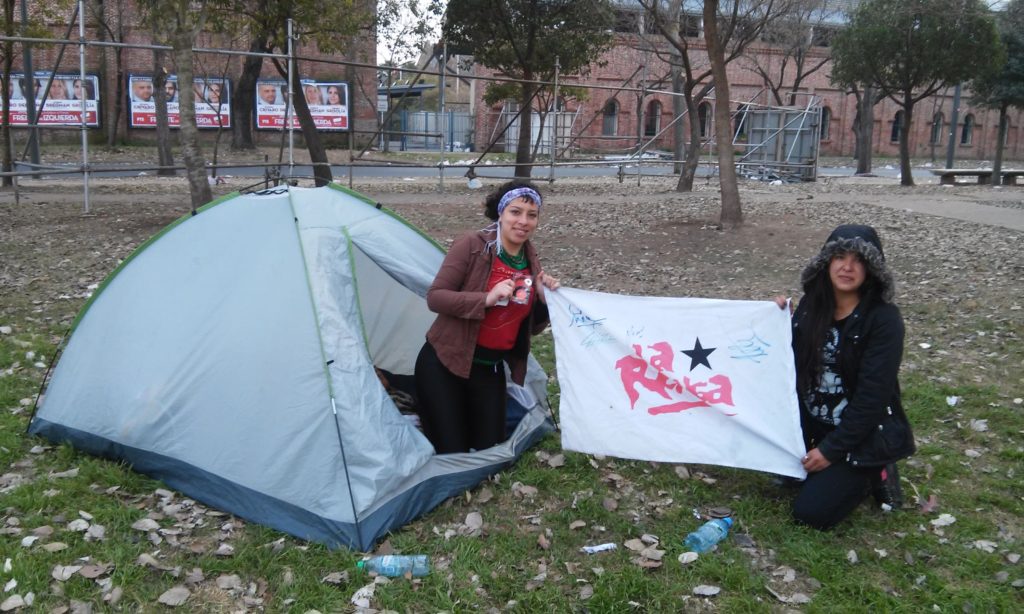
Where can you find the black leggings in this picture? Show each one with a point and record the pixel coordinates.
(458, 413)
(830, 495)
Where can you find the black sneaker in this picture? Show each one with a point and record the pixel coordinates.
(886, 488)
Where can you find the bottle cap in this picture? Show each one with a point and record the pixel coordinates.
(728, 521)
(361, 564)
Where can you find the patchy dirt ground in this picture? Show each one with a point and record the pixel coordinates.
(595, 234)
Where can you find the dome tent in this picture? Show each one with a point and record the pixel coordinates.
(232, 356)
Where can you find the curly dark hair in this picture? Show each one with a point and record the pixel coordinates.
(491, 202)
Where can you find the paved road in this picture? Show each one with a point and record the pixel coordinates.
(962, 206)
(609, 169)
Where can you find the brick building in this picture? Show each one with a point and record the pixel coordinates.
(121, 22)
(615, 121)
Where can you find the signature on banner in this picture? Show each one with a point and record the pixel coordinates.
(750, 348)
(595, 329)
(715, 391)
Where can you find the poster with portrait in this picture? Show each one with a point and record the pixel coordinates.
(327, 100)
(211, 96)
(63, 99)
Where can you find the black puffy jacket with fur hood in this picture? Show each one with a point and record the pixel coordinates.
(874, 430)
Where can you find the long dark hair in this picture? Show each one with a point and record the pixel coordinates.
(819, 305)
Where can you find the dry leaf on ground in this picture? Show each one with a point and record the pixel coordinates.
(175, 596)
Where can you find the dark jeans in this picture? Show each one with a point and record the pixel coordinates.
(830, 495)
(458, 413)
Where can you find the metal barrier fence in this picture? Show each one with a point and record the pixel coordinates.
(429, 131)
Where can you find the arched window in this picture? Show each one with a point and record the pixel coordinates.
(610, 124)
(652, 122)
(826, 123)
(937, 121)
(967, 135)
(704, 118)
(897, 123)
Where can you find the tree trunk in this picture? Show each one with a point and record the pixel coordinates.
(115, 101)
(317, 154)
(864, 134)
(117, 108)
(523, 168)
(732, 211)
(997, 162)
(692, 157)
(244, 98)
(163, 128)
(5, 95)
(195, 164)
(906, 175)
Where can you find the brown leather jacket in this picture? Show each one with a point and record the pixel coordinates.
(457, 297)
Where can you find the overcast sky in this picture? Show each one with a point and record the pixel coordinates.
(386, 43)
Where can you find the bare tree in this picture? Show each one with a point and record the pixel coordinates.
(798, 50)
(180, 22)
(864, 125)
(732, 213)
(736, 26)
(327, 26)
(163, 128)
(108, 15)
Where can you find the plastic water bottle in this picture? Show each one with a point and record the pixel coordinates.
(709, 534)
(397, 565)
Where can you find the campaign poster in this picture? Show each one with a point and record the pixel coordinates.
(211, 96)
(63, 106)
(327, 100)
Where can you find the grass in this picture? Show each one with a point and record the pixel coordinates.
(904, 564)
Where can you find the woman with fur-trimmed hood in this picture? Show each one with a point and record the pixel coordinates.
(848, 344)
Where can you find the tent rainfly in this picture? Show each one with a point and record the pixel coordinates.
(232, 356)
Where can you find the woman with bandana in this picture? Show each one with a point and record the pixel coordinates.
(489, 297)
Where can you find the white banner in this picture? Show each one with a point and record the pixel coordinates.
(681, 380)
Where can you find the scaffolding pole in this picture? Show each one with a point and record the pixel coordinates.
(85, 124)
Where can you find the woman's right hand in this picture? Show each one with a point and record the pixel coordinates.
(502, 291)
(781, 302)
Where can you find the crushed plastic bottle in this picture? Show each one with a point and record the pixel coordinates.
(397, 565)
(709, 534)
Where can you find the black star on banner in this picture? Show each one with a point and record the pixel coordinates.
(698, 355)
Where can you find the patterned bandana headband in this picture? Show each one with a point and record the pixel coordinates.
(511, 195)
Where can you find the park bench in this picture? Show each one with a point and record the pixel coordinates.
(1010, 177)
(947, 176)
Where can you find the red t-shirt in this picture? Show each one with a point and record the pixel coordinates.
(501, 322)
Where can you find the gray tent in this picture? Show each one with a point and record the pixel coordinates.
(232, 356)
